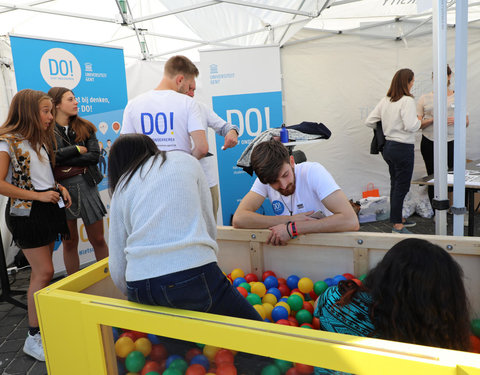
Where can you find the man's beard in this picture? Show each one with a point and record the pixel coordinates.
(289, 190)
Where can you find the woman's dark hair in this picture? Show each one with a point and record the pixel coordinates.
(129, 153)
(82, 128)
(399, 86)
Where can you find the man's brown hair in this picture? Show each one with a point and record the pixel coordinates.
(267, 159)
(180, 65)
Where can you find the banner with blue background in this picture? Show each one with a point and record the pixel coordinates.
(96, 75)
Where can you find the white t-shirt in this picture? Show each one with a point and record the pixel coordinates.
(165, 116)
(399, 119)
(40, 170)
(425, 110)
(313, 184)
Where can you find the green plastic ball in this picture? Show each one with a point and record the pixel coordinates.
(319, 287)
(179, 364)
(295, 302)
(475, 326)
(304, 316)
(247, 286)
(152, 373)
(200, 345)
(282, 365)
(254, 299)
(135, 361)
(362, 277)
(172, 371)
(271, 370)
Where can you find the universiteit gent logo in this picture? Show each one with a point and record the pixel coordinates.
(60, 67)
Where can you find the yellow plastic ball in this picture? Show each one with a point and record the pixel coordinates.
(261, 310)
(237, 272)
(284, 304)
(269, 298)
(209, 351)
(124, 346)
(259, 289)
(305, 285)
(143, 345)
(268, 310)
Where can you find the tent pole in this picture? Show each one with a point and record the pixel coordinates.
(440, 112)
(461, 39)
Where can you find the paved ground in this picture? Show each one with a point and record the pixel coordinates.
(13, 320)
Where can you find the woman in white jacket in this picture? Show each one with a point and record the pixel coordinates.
(398, 115)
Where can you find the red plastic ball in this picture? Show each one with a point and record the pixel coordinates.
(358, 282)
(304, 369)
(475, 344)
(293, 321)
(196, 369)
(316, 323)
(284, 322)
(226, 369)
(284, 289)
(313, 295)
(139, 334)
(130, 334)
(251, 277)
(151, 366)
(224, 356)
(281, 281)
(306, 325)
(158, 353)
(192, 353)
(308, 306)
(268, 273)
(348, 276)
(292, 371)
(242, 291)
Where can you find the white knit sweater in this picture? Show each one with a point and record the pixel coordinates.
(162, 221)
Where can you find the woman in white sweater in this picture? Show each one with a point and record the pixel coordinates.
(398, 115)
(162, 232)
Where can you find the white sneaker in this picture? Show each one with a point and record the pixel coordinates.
(33, 347)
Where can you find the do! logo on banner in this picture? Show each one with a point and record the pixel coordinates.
(59, 67)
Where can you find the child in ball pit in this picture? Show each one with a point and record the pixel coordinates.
(415, 294)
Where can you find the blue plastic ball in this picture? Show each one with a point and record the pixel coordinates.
(271, 282)
(276, 292)
(283, 299)
(154, 339)
(279, 312)
(292, 281)
(172, 358)
(339, 278)
(116, 333)
(329, 281)
(201, 360)
(238, 281)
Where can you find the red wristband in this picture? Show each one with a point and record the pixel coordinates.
(294, 230)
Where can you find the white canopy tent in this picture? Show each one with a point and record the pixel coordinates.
(338, 57)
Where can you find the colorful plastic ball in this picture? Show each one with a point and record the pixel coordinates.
(158, 353)
(305, 285)
(268, 310)
(151, 366)
(276, 292)
(143, 345)
(284, 322)
(209, 351)
(260, 310)
(279, 312)
(121, 367)
(200, 345)
(259, 289)
(293, 321)
(172, 371)
(348, 276)
(116, 333)
(254, 299)
(284, 304)
(271, 370)
(124, 346)
(251, 277)
(362, 277)
(229, 278)
(295, 302)
(358, 282)
(195, 369)
(226, 369)
(154, 339)
(304, 316)
(281, 281)
(319, 287)
(313, 295)
(268, 273)
(282, 365)
(242, 291)
(298, 294)
(284, 289)
(475, 327)
(474, 344)
(180, 364)
(135, 361)
(304, 369)
(201, 360)
(308, 306)
(271, 282)
(292, 371)
(224, 356)
(151, 373)
(292, 281)
(306, 325)
(269, 298)
(138, 334)
(315, 323)
(329, 281)
(238, 281)
(192, 353)
(130, 334)
(247, 287)
(339, 278)
(172, 358)
(237, 272)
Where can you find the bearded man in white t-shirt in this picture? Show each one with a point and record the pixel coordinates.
(305, 198)
(168, 116)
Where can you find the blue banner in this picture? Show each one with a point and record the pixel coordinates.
(253, 114)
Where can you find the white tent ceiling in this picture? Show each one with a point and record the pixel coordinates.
(156, 29)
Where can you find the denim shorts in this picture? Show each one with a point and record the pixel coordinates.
(203, 288)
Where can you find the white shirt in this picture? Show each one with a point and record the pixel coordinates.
(313, 184)
(399, 119)
(425, 111)
(40, 170)
(166, 116)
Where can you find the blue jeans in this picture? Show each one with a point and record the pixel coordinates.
(203, 288)
(400, 160)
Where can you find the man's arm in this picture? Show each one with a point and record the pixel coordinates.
(200, 148)
(246, 217)
(221, 127)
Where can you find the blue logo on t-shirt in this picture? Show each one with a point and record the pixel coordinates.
(278, 207)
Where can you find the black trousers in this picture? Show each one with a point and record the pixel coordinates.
(426, 148)
(400, 160)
